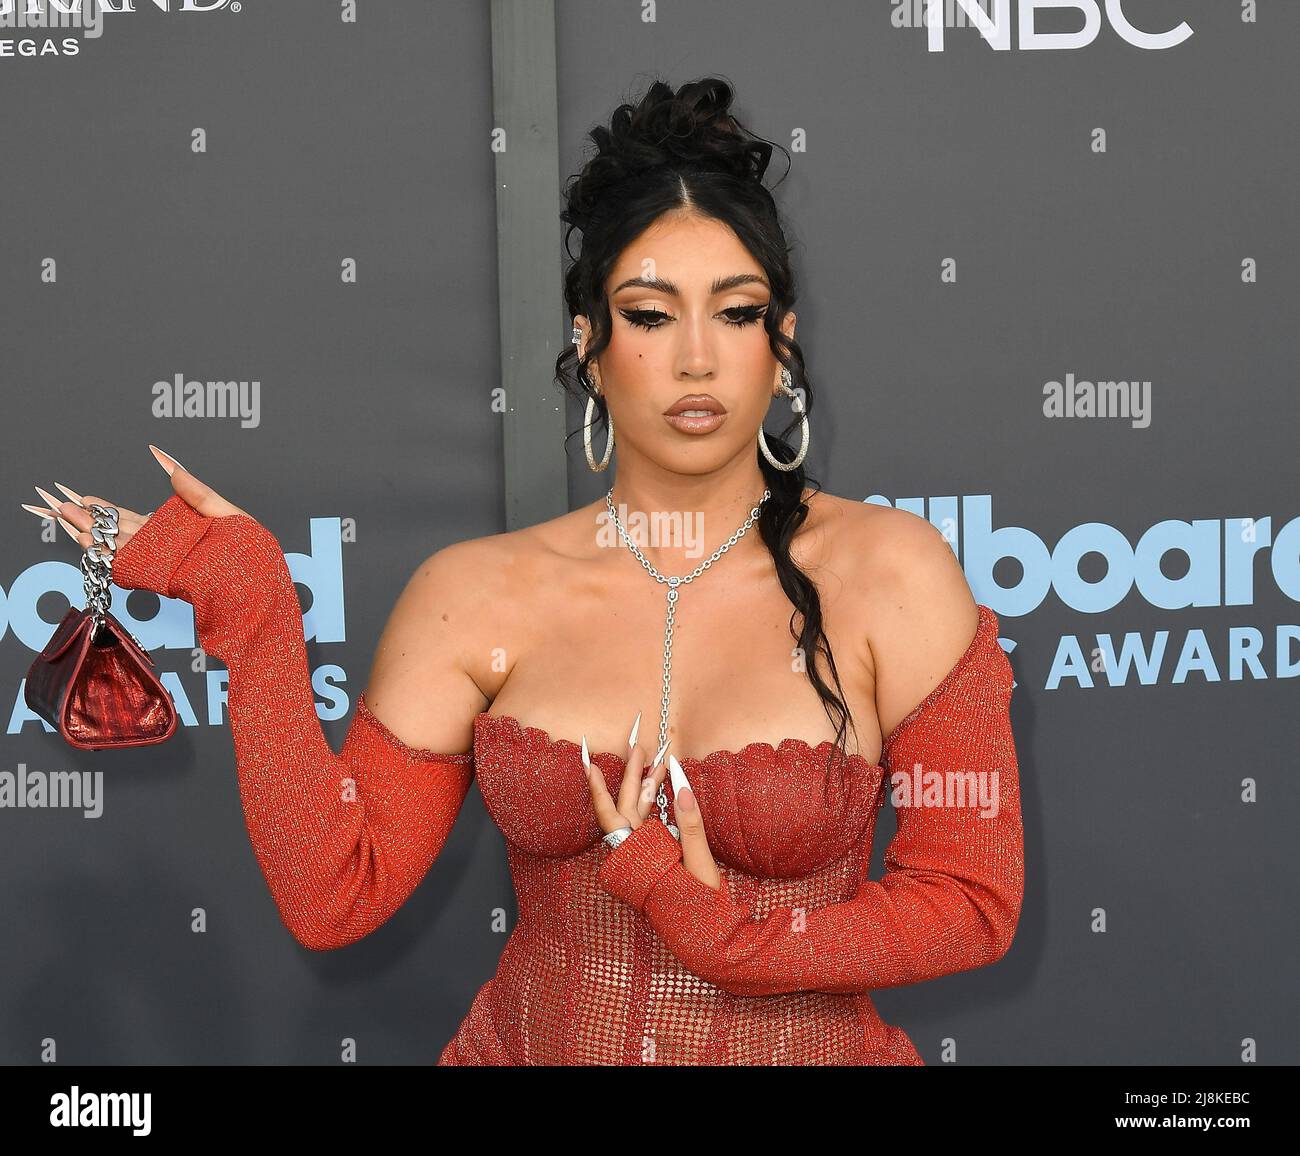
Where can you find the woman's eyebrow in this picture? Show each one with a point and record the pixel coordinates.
(721, 285)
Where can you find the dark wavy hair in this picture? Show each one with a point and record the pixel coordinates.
(685, 150)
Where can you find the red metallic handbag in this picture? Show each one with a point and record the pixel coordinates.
(93, 681)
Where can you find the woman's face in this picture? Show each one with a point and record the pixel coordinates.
(675, 333)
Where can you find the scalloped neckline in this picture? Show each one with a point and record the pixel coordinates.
(523, 729)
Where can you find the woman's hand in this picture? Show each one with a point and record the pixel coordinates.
(636, 797)
(696, 856)
(636, 794)
(75, 517)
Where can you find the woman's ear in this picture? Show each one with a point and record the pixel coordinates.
(787, 327)
(580, 323)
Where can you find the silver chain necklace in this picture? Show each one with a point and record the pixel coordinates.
(673, 583)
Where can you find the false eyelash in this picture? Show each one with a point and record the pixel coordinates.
(642, 317)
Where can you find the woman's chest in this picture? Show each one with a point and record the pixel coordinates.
(601, 642)
(769, 810)
(731, 654)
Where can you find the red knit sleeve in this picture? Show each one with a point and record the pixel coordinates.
(343, 839)
(954, 872)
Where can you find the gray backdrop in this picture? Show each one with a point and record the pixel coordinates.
(970, 225)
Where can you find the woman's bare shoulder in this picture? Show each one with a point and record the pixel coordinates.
(889, 540)
(859, 536)
(920, 610)
(505, 563)
(462, 606)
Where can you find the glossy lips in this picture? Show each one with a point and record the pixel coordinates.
(696, 413)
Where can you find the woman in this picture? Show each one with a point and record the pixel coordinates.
(738, 927)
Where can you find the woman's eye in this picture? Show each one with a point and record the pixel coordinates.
(644, 317)
(744, 314)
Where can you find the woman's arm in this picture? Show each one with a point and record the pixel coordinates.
(342, 839)
(954, 875)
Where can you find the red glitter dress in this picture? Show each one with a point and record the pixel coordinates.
(620, 956)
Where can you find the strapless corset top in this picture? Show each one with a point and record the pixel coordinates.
(768, 810)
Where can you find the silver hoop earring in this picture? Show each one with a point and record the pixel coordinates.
(586, 437)
(797, 406)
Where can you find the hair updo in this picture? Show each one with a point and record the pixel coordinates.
(685, 150)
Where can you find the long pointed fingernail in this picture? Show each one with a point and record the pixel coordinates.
(660, 754)
(678, 776)
(49, 499)
(71, 495)
(631, 739)
(586, 758)
(165, 459)
(71, 529)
